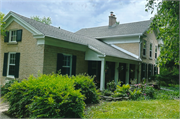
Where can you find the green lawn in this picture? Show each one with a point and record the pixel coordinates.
(135, 109)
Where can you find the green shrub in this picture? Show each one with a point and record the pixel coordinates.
(4, 88)
(107, 92)
(111, 86)
(118, 94)
(122, 91)
(134, 95)
(87, 87)
(149, 91)
(47, 96)
(168, 76)
(166, 95)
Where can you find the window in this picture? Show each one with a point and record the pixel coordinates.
(13, 36)
(144, 48)
(150, 51)
(155, 52)
(66, 64)
(11, 64)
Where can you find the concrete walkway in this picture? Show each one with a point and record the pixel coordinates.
(3, 107)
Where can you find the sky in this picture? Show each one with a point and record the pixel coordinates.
(73, 15)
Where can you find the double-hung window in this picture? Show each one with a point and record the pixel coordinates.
(13, 36)
(11, 64)
(150, 51)
(155, 52)
(67, 64)
(144, 48)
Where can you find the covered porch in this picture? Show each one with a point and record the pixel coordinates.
(107, 69)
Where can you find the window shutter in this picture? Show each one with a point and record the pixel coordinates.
(59, 62)
(19, 35)
(17, 65)
(74, 65)
(6, 38)
(5, 64)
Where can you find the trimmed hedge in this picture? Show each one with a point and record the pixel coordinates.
(47, 96)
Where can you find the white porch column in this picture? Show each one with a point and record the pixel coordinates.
(116, 75)
(102, 80)
(136, 72)
(127, 73)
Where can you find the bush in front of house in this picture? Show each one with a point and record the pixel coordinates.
(87, 87)
(4, 88)
(47, 96)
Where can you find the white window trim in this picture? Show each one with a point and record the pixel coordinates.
(9, 76)
(10, 33)
(70, 63)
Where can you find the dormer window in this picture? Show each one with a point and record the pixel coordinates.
(13, 36)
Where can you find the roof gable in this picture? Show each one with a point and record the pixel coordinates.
(11, 16)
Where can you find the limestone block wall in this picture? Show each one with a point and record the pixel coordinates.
(151, 38)
(31, 54)
(50, 59)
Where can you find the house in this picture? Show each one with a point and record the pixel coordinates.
(115, 52)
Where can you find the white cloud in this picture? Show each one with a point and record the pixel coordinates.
(73, 15)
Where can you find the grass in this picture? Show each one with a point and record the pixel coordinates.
(135, 109)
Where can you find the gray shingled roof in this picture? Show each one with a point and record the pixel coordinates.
(121, 29)
(61, 34)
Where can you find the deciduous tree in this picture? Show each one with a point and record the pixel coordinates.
(166, 21)
(2, 23)
(43, 20)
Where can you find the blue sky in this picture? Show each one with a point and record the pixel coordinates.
(73, 15)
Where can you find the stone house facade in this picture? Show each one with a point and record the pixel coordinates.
(31, 47)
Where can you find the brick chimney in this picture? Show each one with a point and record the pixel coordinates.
(112, 19)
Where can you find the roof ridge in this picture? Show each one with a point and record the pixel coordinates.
(115, 26)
